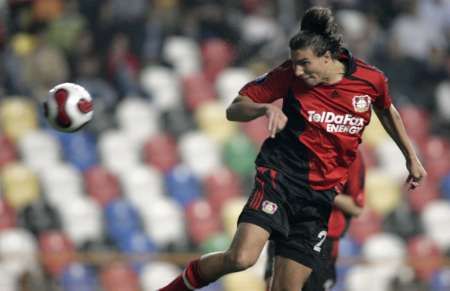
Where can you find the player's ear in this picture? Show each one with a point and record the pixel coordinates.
(327, 56)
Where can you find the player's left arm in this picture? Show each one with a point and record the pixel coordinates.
(393, 124)
(347, 204)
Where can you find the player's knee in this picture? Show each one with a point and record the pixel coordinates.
(240, 260)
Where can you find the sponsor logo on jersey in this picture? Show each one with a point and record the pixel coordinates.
(343, 123)
(269, 207)
(361, 103)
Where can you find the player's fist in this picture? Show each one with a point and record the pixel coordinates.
(277, 119)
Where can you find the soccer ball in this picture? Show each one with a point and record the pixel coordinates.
(68, 107)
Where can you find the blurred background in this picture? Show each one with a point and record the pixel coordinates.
(159, 176)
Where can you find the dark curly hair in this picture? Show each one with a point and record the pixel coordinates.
(319, 32)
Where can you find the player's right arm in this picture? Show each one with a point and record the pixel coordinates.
(245, 109)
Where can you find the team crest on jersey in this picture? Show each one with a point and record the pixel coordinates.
(269, 207)
(361, 103)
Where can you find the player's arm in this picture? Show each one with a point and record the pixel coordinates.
(393, 124)
(245, 109)
(347, 204)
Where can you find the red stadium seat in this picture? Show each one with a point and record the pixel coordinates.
(436, 152)
(197, 90)
(202, 222)
(216, 55)
(425, 257)
(221, 186)
(7, 215)
(101, 185)
(368, 224)
(119, 277)
(7, 151)
(423, 195)
(416, 122)
(57, 251)
(160, 151)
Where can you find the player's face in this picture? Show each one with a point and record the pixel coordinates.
(308, 66)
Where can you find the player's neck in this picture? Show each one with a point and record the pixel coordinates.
(335, 73)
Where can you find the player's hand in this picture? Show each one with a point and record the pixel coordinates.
(416, 173)
(277, 119)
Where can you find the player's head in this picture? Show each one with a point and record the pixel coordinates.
(316, 45)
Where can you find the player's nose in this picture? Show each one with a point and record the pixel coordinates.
(298, 71)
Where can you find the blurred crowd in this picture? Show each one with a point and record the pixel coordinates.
(160, 170)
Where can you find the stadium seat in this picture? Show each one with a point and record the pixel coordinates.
(217, 55)
(17, 117)
(18, 251)
(182, 185)
(199, 153)
(142, 184)
(39, 217)
(363, 277)
(7, 280)
(197, 90)
(39, 150)
(441, 280)
(138, 248)
(382, 191)
(164, 211)
(366, 225)
(425, 257)
(117, 153)
(445, 187)
(215, 243)
(435, 217)
(383, 247)
(19, 185)
(82, 209)
(436, 154)
(155, 275)
(243, 281)
(101, 185)
(7, 215)
(177, 121)
(201, 221)
(163, 85)
(240, 154)
(210, 117)
(403, 221)
(121, 219)
(442, 102)
(137, 119)
(78, 277)
(374, 134)
(119, 276)
(183, 54)
(391, 161)
(60, 183)
(426, 193)
(230, 81)
(230, 213)
(8, 153)
(79, 149)
(416, 121)
(160, 152)
(57, 251)
(220, 186)
(256, 130)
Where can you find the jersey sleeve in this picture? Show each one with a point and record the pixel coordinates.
(270, 86)
(384, 100)
(356, 181)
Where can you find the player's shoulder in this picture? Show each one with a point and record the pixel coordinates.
(367, 71)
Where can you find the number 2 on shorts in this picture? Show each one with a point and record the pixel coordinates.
(322, 236)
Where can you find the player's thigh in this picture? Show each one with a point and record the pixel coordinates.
(248, 242)
(289, 274)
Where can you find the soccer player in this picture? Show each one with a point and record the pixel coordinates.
(347, 204)
(327, 100)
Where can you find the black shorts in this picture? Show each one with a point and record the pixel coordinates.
(295, 215)
(322, 278)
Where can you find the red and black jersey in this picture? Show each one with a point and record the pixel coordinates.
(325, 122)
